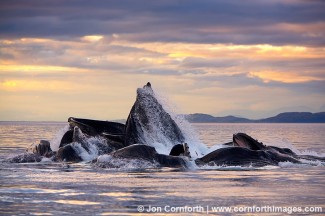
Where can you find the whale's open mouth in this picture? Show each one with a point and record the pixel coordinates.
(243, 140)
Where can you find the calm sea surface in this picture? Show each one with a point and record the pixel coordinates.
(48, 188)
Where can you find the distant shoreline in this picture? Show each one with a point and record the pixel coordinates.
(61, 122)
(287, 117)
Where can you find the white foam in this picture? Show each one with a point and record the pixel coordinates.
(46, 160)
(92, 144)
(162, 148)
(197, 148)
(55, 142)
(234, 168)
(305, 163)
(309, 152)
(104, 158)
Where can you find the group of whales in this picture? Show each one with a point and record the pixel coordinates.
(130, 141)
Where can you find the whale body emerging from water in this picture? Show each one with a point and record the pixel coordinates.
(149, 123)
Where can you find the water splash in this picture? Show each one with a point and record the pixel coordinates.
(152, 124)
(91, 148)
(197, 148)
(304, 164)
(310, 152)
(55, 142)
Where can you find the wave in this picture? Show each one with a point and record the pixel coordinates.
(304, 163)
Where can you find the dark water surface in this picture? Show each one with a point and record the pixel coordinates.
(48, 188)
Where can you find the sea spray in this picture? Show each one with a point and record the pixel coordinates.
(197, 148)
(55, 142)
(90, 148)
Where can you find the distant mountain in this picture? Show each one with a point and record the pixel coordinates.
(288, 117)
(296, 117)
(204, 118)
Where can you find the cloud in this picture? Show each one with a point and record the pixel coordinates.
(58, 58)
(86, 58)
(193, 62)
(273, 22)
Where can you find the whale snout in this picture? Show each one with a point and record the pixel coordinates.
(238, 141)
(246, 141)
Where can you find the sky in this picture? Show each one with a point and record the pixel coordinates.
(252, 58)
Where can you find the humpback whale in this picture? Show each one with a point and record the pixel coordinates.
(148, 123)
(114, 132)
(146, 115)
(240, 156)
(145, 153)
(246, 141)
(247, 151)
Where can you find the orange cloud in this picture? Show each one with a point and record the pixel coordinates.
(36, 85)
(36, 68)
(260, 51)
(103, 71)
(282, 76)
(92, 38)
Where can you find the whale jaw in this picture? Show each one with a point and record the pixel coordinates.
(148, 122)
(243, 140)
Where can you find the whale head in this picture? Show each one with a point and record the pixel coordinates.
(148, 122)
(246, 141)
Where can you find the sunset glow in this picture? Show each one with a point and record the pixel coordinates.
(205, 61)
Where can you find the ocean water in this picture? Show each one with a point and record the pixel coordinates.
(48, 188)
